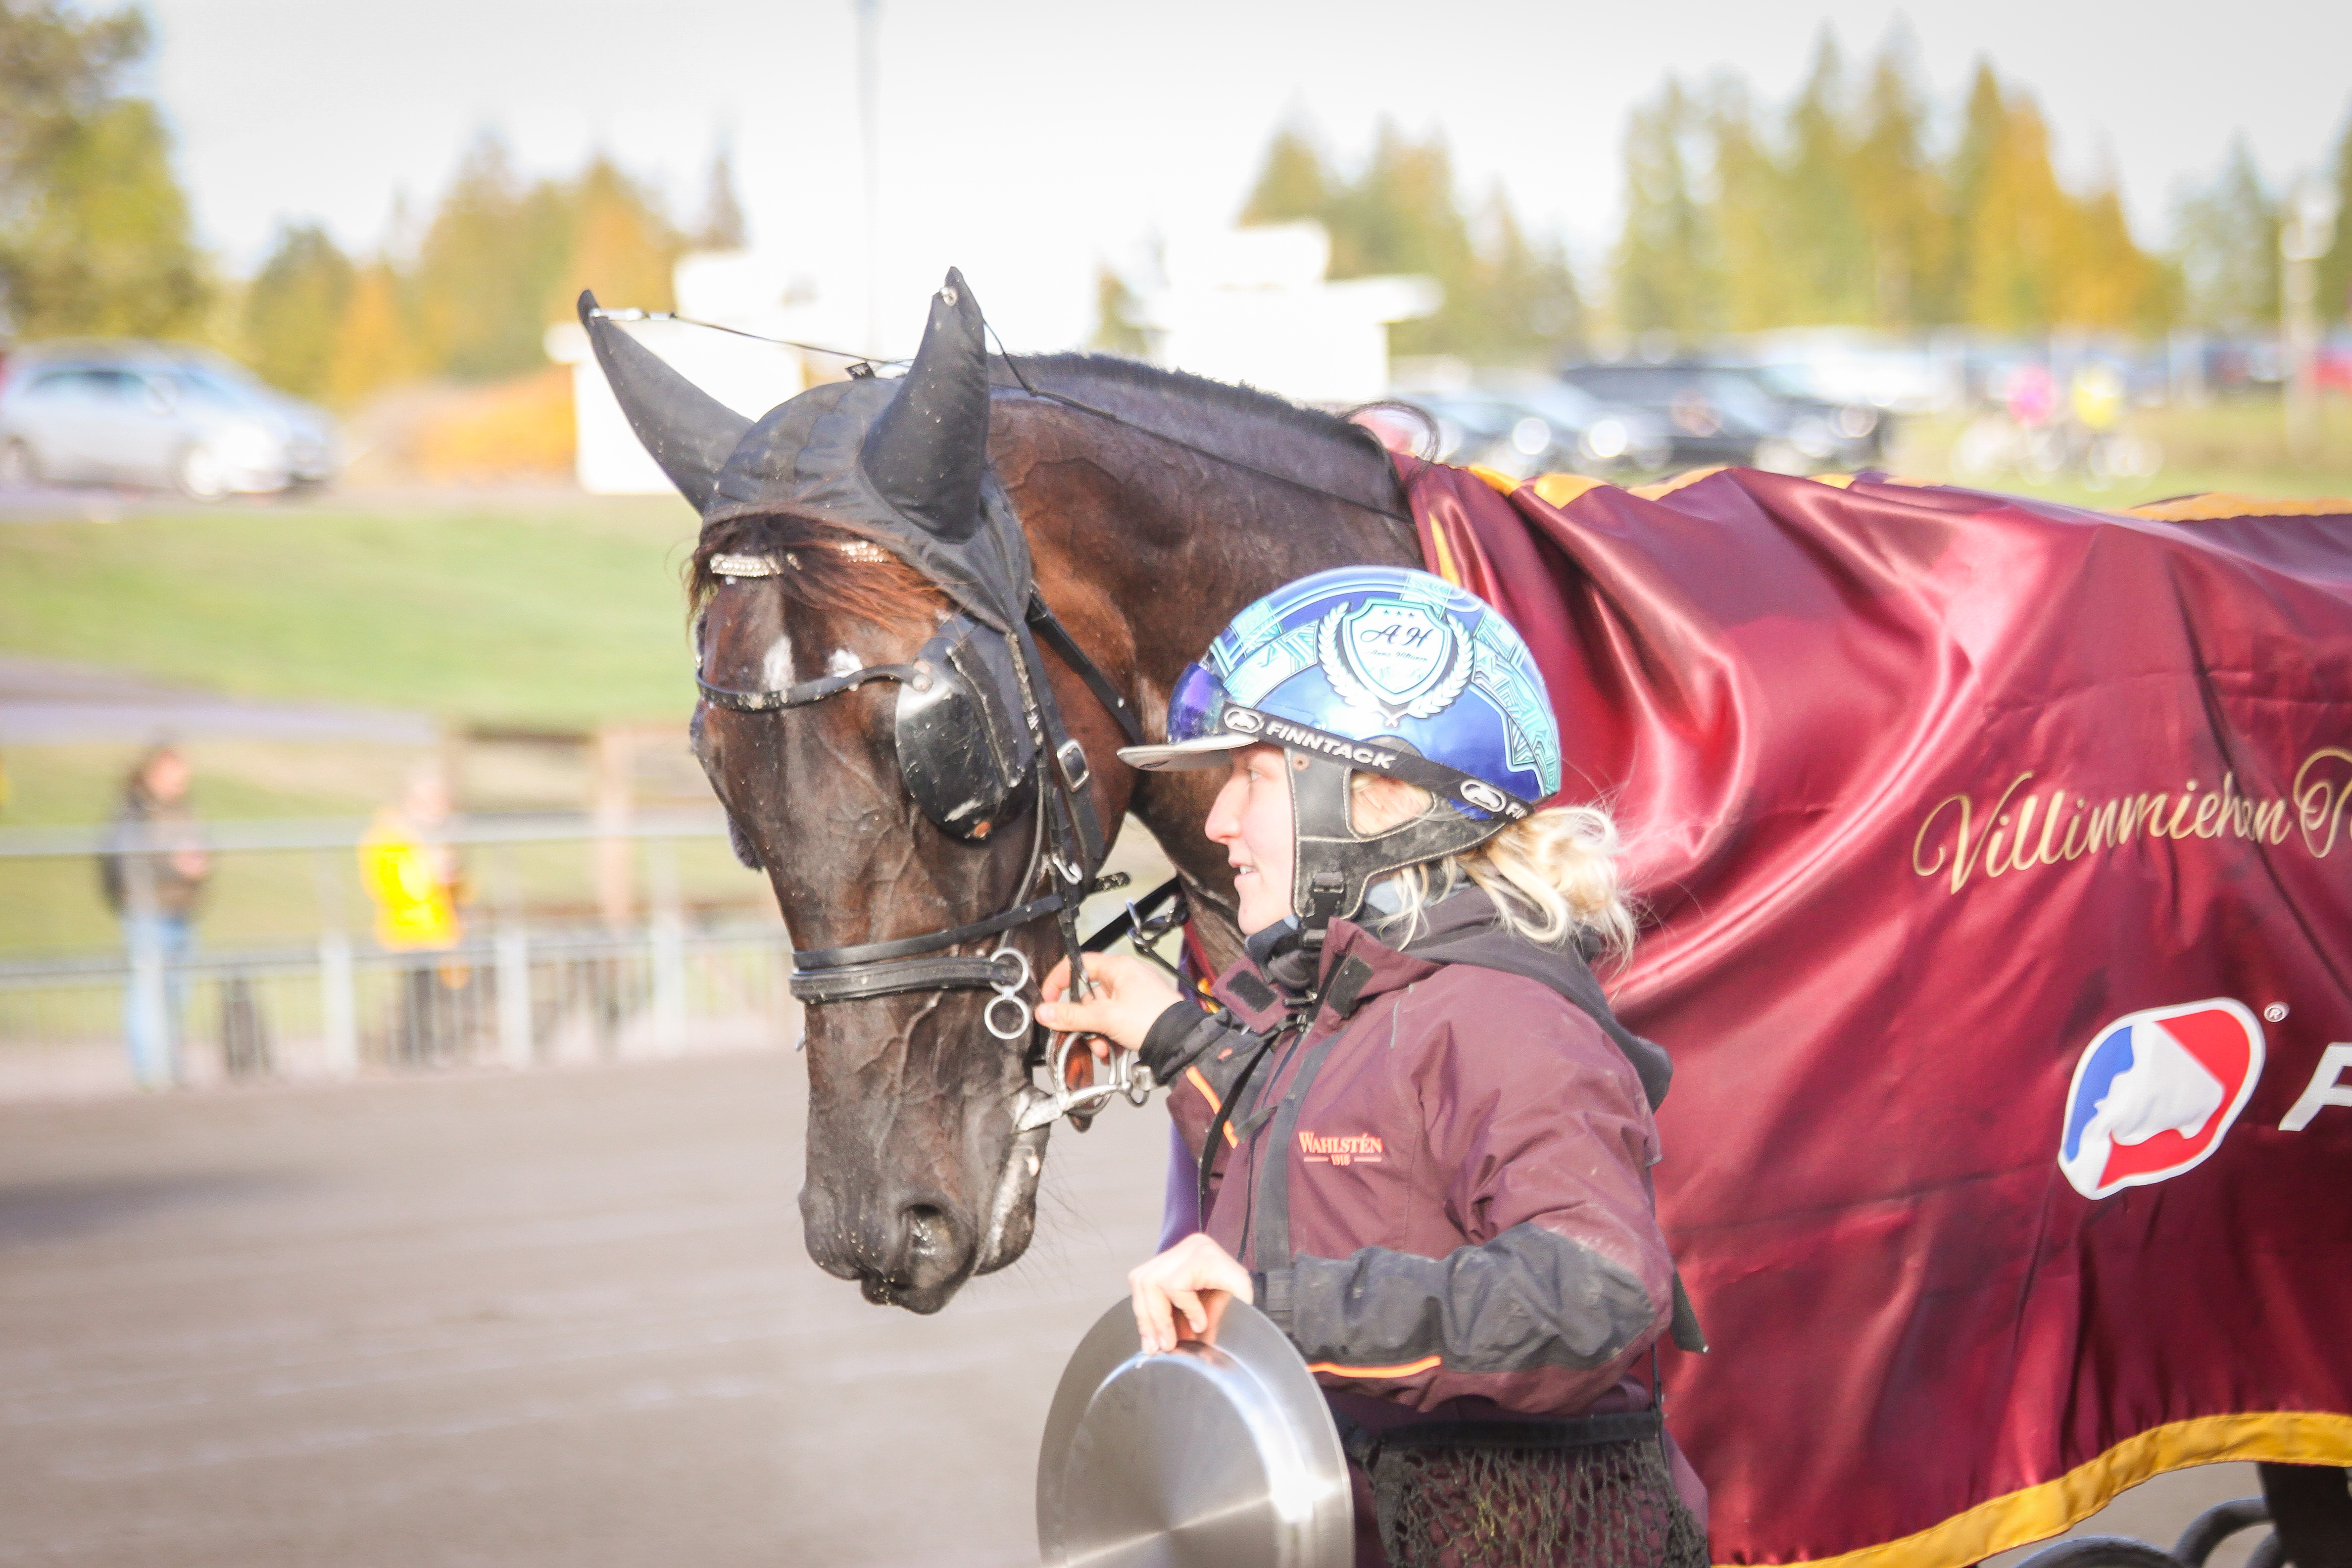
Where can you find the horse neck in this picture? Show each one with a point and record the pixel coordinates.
(1146, 550)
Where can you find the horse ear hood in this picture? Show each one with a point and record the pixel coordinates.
(927, 453)
(688, 432)
(901, 462)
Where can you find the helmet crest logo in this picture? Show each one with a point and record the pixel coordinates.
(1394, 657)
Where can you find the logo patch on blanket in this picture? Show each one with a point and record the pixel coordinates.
(2155, 1091)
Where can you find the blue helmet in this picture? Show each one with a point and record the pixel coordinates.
(1382, 670)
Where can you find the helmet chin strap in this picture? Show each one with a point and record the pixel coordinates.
(1333, 864)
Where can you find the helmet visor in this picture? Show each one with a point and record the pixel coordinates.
(1196, 738)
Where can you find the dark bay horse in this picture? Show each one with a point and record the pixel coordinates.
(1155, 506)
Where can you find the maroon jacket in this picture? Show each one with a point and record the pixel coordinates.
(1463, 1182)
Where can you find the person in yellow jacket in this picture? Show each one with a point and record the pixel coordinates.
(415, 879)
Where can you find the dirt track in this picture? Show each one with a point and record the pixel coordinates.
(556, 1319)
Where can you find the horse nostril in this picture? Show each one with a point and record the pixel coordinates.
(930, 1233)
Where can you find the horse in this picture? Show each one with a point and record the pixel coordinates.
(1154, 505)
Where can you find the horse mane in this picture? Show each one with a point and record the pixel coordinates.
(1250, 427)
(1254, 429)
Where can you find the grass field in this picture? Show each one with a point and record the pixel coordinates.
(553, 614)
(562, 613)
(2237, 446)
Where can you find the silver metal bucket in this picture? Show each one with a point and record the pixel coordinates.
(1208, 1456)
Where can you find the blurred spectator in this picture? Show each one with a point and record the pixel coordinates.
(153, 871)
(414, 875)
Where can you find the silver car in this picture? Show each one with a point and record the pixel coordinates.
(155, 413)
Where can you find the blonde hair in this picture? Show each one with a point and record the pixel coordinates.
(1552, 875)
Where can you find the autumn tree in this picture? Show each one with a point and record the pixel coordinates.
(491, 261)
(1665, 260)
(95, 231)
(1507, 297)
(619, 245)
(1901, 197)
(376, 343)
(1839, 210)
(294, 310)
(1824, 251)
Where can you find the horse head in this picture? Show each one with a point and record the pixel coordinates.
(892, 749)
(870, 725)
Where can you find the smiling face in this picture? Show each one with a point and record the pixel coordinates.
(1252, 820)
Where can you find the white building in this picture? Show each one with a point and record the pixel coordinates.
(1253, 305)
(732, 288)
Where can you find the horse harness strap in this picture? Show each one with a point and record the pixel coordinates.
(974, 709)
(808, 691)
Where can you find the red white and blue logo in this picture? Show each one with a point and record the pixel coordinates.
(2155, 1091)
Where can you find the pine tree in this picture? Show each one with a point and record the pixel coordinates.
(1403, 215)
(1292, 183)
(1522, 306)
(1899, 195)
(107, 245)
(59, 71)
(1827, 253)
(2229, 248)
(1115, 329)
(1748, 219)
(721, 226)
(2335, 267)
(1663, 268)
(490, 263)
(1984, 123)
(294, 309)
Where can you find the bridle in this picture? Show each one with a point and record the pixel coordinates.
(992, 686)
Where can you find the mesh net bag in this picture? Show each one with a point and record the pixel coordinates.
(1608, 1505)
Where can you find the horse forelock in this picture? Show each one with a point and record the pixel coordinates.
(826, 567)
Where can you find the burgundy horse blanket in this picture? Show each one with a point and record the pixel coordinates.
(1997, 856)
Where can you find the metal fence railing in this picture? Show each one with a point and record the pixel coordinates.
(518, 998)
(516, 991)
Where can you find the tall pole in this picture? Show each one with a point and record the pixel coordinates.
(2307, 229)
(869, 124)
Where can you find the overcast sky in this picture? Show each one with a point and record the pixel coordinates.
(1025, 140)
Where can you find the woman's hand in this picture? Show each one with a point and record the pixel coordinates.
(1128, 996)
(1196, 1277)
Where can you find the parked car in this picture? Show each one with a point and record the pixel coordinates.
(155, 413)
(1543, 427)
(1717, 413)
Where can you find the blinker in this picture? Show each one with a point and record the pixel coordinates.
(964, 748)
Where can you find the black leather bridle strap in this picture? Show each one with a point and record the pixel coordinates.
(808, 691)
(858, 982)
(930, 942)
(1057, 636)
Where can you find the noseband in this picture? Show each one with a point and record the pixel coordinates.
(965, 687)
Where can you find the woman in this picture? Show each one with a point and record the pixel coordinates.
(154, 873)
(1427, 1138)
